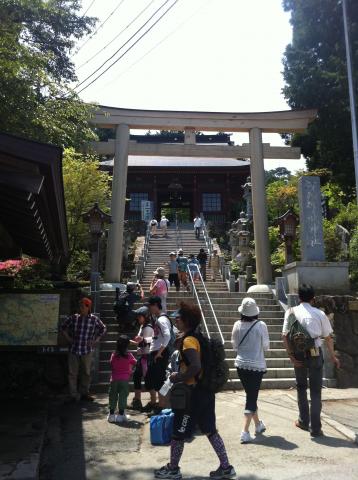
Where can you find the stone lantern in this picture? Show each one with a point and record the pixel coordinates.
(240, 241)
(96, 219)
(288, 225)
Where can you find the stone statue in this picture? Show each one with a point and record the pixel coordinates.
(247, 197)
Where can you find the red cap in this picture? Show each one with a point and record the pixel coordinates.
(86, 301)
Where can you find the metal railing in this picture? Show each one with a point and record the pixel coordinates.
(199, 300)
(195, 294)
(178, 237)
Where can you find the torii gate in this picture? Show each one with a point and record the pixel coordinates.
(123, 119)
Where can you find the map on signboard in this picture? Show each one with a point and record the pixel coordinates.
(29, 319)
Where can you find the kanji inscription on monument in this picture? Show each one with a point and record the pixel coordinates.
(311, 228)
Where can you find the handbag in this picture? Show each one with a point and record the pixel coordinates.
(180, 396)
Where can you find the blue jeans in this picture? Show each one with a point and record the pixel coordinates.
(313, 369)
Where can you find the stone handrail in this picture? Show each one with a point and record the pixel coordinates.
(207, 238)
(142, 259)
(287, 300)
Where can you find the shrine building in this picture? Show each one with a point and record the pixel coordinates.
(188, 184)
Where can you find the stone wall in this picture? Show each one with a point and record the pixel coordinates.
(343, 313)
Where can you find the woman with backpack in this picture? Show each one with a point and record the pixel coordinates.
(160, 287)
(142, 341)
(199, 404)
(250, 340)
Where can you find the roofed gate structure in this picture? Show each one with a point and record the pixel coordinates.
(255, 124)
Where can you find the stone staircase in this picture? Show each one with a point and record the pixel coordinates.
(280, 373)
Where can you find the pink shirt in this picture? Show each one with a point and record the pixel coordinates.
(122, 367)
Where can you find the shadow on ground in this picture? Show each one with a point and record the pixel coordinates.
(334, 442)
(275, 441)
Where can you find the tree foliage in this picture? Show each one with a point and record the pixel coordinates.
(84, 184)
(36, 38)
(279, 173)
(280, 197)
(316, 77)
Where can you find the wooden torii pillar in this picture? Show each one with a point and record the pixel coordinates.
(255, 123)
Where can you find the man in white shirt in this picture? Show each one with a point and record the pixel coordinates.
(158, 354)
(318, 326)
(153, 227)
(197, 226)
(164, 225)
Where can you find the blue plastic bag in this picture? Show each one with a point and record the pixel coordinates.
(161, 427)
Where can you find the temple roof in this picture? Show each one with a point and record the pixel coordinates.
(32, 197)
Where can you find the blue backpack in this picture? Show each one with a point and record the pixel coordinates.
(161, 427)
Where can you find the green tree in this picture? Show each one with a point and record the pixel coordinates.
(84, 184)
(316, 77)
(280, 197)
(36, 38)
(279, 173)
(353, 256)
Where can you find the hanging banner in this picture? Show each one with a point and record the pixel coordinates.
(147, 210)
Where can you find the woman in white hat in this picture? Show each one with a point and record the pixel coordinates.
(160, 287)
(250, 340)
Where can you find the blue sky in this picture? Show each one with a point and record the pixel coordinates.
(214, 55)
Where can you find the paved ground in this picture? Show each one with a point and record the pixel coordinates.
(81, 445)
(22, 427)
(344, 412)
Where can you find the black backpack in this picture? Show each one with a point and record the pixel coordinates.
(214, 368)
(121, 304)
(299, 339)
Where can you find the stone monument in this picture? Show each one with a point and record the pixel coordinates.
(325, 277)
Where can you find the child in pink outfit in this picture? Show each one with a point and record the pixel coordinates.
(121, 365)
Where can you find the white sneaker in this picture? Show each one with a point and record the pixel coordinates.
(122, 418)
(111, 418)
(245, 437)
(260, 428)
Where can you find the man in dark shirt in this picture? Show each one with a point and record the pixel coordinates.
(134, 293)
(83, 331)
(202, 258)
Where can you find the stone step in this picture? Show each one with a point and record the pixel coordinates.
(213, 295)
(277, 353)
(278, 362)
(233, 384)
(104, 375)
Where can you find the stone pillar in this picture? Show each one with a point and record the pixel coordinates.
(119, 187)
(196, 208)
(155, 197)
(311, 227)
(259, 204)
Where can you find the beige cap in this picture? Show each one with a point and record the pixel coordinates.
(160, 271)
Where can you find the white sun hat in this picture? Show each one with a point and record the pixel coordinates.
(249, 307)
